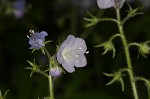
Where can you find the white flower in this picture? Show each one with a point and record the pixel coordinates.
(104, 4)
(71, 53)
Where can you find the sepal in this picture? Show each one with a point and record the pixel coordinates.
(134, 12)
(34, 68)
(116, 77)
(93, 20)
(108, 46)
(144, 49)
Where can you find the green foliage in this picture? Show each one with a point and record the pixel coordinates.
(3, 96)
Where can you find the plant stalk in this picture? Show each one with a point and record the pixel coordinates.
(50, 79)
(128, 59)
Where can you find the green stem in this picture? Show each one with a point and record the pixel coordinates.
(114, 36)
(44, 74)
(108, 19)
(47, 53)
(50, 77)
(125, 19)
(146, 82)
(51, 87)
(141, 79)
(131, 75)
(124, 70)
(134, 44)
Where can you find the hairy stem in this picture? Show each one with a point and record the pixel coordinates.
(50, 79)
(128, 59)
(51, 87)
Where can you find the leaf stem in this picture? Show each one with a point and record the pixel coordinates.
(134, 44)
(44, 74)
(128, 59)
(108, 19)
(114, 36)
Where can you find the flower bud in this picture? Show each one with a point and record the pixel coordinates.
(55, 71)
(144, 49)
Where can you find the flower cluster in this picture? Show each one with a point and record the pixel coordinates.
(70, 54)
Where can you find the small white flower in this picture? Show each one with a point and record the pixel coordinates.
(71, 53)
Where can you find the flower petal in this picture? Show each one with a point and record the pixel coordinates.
(59, 57)
(70, 43)
(43, 34)
(68, 66)
(80, 61)
(69, 39)
(104, 4)
(79, 46)
(64, 44)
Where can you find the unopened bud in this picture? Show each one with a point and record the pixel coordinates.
(56, 71)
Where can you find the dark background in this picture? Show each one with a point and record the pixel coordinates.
(59, 18)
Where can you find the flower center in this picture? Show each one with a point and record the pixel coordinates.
(68, 55)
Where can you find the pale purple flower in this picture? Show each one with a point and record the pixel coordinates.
(36, 40)
(71, 53)
(104, 4)
(19, 8)
(55, 71)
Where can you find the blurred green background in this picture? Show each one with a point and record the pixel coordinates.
(59, 18)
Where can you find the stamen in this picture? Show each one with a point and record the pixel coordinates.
(86, 52)
(31, 31)
(27, 36)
